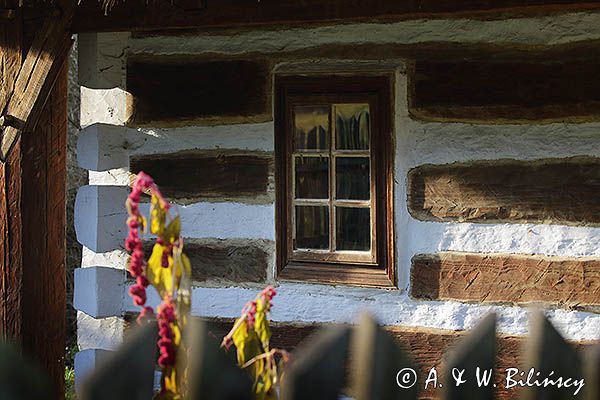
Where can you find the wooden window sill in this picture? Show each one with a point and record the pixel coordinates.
(336, 275)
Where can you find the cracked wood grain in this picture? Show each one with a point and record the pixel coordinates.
(563, 191)
(507, 278)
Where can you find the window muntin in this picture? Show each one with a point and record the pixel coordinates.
(333, 183)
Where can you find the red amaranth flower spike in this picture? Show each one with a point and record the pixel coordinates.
(166, 316)
(146, 314)
(169, 324)
(250, 311)
(138, 292)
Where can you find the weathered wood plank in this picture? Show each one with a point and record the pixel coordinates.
(12, 268)
(37, 75)
(11, 43)
(32, 213)
(505, 91)
(177, 89)
(561, 191)
(137, 15)
(44, 222)
(11, 38)
(196, 175)
(506, 278)
(227, 260)
(4, 250)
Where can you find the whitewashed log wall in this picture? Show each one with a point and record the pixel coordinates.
(107, 145)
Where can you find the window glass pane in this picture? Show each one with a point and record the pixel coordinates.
(312, 177)
(352, 123)
(312, 227)
(311, 127)
(352, 178)
(353, 228)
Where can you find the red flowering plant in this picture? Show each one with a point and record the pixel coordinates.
(167, 269)
(251, 335)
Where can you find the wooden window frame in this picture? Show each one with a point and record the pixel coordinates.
(375, 90)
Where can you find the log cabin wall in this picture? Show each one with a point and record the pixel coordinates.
(496, 132)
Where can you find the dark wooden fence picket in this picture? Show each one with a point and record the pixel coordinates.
(592, 374)
(128, 374)
(366, 354)
(378, 363)
(318, 371)
(550, 356)
(212, 373)
(20, 379)
(472, 360)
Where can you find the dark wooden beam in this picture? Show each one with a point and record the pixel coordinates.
(140, 15)
(32, 183)
(561, 191)
(233, 175)
(37, 75)
(43, 219)
(556, 89)
(507, 278)
(11, 50)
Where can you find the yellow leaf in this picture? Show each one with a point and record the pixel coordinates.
(259, 391)
(161, 278)
(176, 334)
(173, 230)
(158, 215)
(267, 380)
(261, 324)
(239, 340)
(187, 265)
(170, 377)
(247, 345)
(143, 223)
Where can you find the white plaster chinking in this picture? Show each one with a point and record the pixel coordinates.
(312, 303)
(547, 30)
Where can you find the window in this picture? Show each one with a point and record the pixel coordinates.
(334, 180)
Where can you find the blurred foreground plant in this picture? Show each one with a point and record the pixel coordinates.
(168, 270)
(251, 335)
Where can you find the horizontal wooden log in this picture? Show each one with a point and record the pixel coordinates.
(162, 14)
(506, 278)
(193, 175)
(167, 90)
(543, 191)
(229, 260)
(426, 347)
(505, 91)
